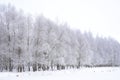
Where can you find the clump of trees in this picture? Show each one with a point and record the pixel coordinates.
(34, 44)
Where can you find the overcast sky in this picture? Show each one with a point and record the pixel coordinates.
(98, 16)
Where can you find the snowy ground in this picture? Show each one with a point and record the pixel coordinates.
(71, 74)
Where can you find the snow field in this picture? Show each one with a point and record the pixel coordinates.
(70, 74)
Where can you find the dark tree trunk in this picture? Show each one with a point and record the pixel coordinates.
(78, 65)
(34, 67)
(39, 67)
(6, 67)
(20, 68)
(23, 69)
(58, 67)
(10, 65)
(43, 67)
(62, 67)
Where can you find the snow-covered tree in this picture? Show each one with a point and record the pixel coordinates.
(37, 43)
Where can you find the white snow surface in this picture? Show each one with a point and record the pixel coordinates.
(69, 74)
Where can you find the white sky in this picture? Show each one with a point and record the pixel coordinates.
(98, 16)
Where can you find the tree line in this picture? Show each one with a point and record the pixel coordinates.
(36, 43)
